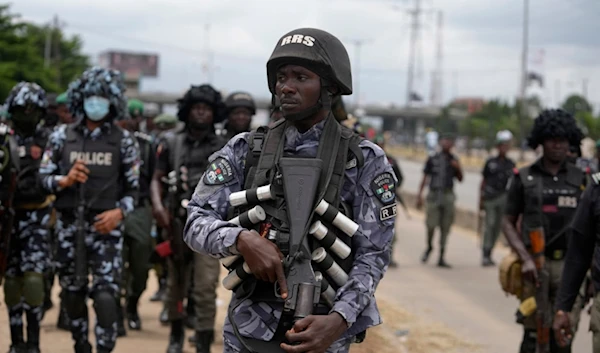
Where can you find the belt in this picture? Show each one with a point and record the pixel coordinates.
(38, 205)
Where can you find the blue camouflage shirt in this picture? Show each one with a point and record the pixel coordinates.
(51, 172)
(207, 231)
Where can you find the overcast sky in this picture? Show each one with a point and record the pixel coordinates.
(482, 41)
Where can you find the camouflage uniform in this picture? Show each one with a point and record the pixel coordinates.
(104, 251)
(207, 231)
(29, 245)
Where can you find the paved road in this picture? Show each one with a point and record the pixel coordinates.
(467, 192)
(466, 298)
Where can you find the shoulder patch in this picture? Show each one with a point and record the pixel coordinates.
(388, 212)
(515, 171)
(384, 187)
(218, 172)
(596, 178)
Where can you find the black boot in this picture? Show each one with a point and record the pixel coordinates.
(133, 319)
(441, 262)
(83, 347)
(393, 264)
(486, 260)
(190, 321)
(426, 254)
(18, 348)
(33, 329)
(120, 320)
(63, 322)
(203, 341)
(176, 337)
(17, 340)
(160, 293)
(164, 316)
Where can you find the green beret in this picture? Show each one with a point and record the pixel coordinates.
(165, 119)
(62, 98)
(135, 107)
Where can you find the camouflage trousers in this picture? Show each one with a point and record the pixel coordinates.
(104, 261)
(28, 259)
(232, 345)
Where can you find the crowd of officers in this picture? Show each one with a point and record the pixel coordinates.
(90, 164)
(102, 187)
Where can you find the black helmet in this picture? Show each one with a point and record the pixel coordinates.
(318, 51)
(321, 53)
(201, 94)
(240, 99)
(24, 94)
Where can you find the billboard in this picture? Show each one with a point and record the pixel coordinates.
(130, 64)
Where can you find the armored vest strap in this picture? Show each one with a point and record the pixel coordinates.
(255, 145)
(270, 149)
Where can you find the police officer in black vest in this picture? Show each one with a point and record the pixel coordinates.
(138, 226)
(183, 156)
(546, 195)
(240, 108)
(92, 166)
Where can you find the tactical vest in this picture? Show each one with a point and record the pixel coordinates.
(339, 149)
(29, 187)
(190, 162)
(533, 208)
(103, 158)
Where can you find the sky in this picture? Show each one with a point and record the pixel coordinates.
(482, 41)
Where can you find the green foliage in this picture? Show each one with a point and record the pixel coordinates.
(484, 124)
(576, 103)
(22, 55)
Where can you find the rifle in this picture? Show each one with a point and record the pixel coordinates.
(300, 181)
(9, 159)
(179, 249)
(544, 308)
(81, 271)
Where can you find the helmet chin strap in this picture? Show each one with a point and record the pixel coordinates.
(323, 102)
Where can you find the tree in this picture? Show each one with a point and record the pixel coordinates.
(495, 115)
(22, 56)
(576, 103)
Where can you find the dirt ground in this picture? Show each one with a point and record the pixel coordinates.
(402, 332)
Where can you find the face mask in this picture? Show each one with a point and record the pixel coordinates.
(96, 108)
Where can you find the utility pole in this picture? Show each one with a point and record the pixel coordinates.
(207, 66)
(358, 43)
(584, 88)
(437, 83)
(414, 37)
(57, 57)
(522, 95)
(48, 45)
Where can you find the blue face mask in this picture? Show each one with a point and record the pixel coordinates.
(96, 108)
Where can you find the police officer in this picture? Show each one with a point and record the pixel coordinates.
(62, 109)
(164, 122)
(137, 245)
(240, 108)
(380, 141)
(582, 251)
(492, 197)
(545, 194)
(186, 153)
(440, 169)
(98, 161)
(30, 251)
(306, 69)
